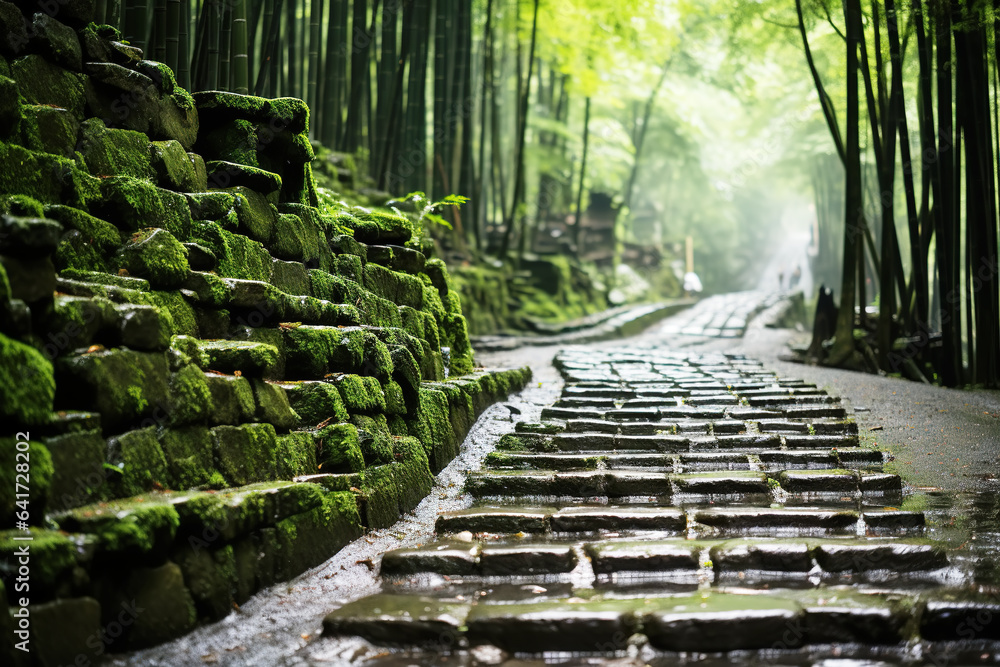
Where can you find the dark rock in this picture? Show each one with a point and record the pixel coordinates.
(57, 129)
(155, 600)
(56, 40)
(200, 258)
(446, 557)
(397, 619)
(222, 174)
(41, 82)
(28, 237)
(31, 279)
(63, 631)
(173, 166)
(495, 520)
(156, 256)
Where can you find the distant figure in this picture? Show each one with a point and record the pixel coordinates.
(692, 284)
(781, 279)
(796, 277)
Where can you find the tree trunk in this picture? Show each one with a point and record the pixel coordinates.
(578, 217)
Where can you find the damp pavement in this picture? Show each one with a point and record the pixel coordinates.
(676, 496)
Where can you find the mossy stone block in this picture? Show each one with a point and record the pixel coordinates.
(157, 256)
(10, 106)
(301, 239)
(413, 474)
(124, 386)
(361, 394)
(347, 266)
(47, 178)
(234, 140)
(246, 454)
(40, 477)
(112, 152)
(272, 405)
(377, 227)
(28, 382)
(64, 630)
(42, 82)
(53, 557)
(136, 204)
(140, 460)
(316, 402)
(190, 397)
(379, 497)
(291, 278)
(213, 205)
(437, 271)
(313, 351)
(124, 527)
(79, 475)
(457, 334)
(210, 576)
(256, 215)
(189, 455)
(228, 356)
(374, 438)
(28, 236)
(57, 128)
(343, 244)
(232, 399)
(168, 611)
(306, 540)
(395, 401)
(296, 454)
(223, 174)
(374, 310)
(432, 426)
(338, 449)
(239, 256)
(432, 305)
(14, 28)
(31, 279)
(104, 236)
(174, 168)
(400, 288)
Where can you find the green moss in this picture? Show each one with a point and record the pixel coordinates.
(347, 266)
(300, 239)
(140, 461)
(395, 402)
(125, 525)
(246, 453)
(136, 204)
(28, 382)
(374, 439)
(316, 402)
(188, 452)
(457, 334)
(190, 398)
(154, 254)
(46, 178)
(374, 310)
(234, 141)
(382, 227)
(338, 449)
(398, 426)
(453, 303)
(361, 394)
(53, 555)
(400, 288)
(432, 427)
(103, 278)
(114, 152)
(21, 206)
(181, 312)
(40, 473)
(296, 455)
(312, 352)
(432, 304)
(238, 256)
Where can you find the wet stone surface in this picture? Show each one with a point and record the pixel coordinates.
(669, 503)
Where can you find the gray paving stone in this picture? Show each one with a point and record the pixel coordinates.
(443, 557)
(495, 520)
(391, 619)
(520, 561)
(720, 622)
(609, 557)
(782, 556)
(753, 520)
(588, 519)
(893, 556)
(723, 483)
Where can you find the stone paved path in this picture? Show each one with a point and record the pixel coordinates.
(669, 503)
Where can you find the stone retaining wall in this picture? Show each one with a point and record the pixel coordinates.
(219, 374)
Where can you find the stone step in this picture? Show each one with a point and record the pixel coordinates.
(691, 622)
(475, 559)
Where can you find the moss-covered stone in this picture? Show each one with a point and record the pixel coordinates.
(432, 427)
(374, 438)
(181, 313)
(53, 557)
(228, 356)
(174, 168)
(312, 351)
(395, 402)
(256, 215)
(378, 227)
(400, 288)
(135, 204)
(112, 152)
(190, 398)
(413, 474)
(40, 473)
(291, 278)
(308, 539)
(213, 205)
(316, 402)
(47, 178)
(374, 309)
(102, 235)
(42, 82)
(140, 462)
(79, 476)
(338, 449)
(272, 405)
(457, 335)
(56, 129)
(296, 454)
(189, 456)
(124, 386)
(167, 608)
(234, 140)
(239, 256)
(347, 266)
(29, 386)
(156, 256)
(232, 399)
(210, 576)
(300, 239)
(125, 527)
(245, 454)
(361, 394)
(223, 174)
(432, 304)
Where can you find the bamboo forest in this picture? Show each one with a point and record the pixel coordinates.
(499, 332)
